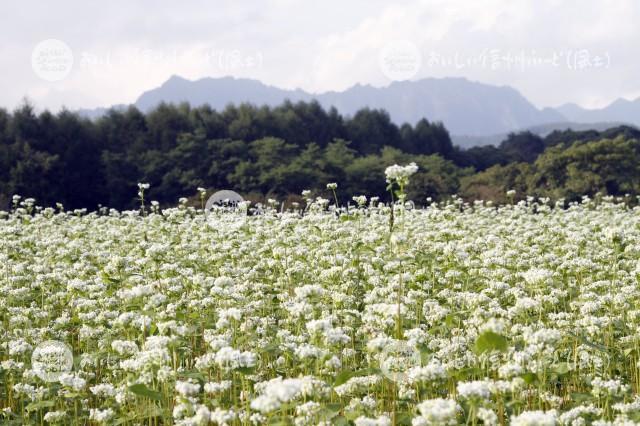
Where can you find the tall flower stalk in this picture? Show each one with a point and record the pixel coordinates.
(202, 193)
(141, 188)
(397, 180)
(332, 187)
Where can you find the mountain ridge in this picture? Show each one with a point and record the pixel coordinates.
(467, 108)
(621, 109)
(464, 106)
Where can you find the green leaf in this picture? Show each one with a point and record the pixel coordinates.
(581, 397)
(34, 406)
(490, 341)
(335, 407)
(403, 418)
(278, 421)
(135, 417)
(326, 413)
(142, 390)
(342, 377)
(194, 374)
(271, 348)
(452, 320)
(340, 421)
(596, 346)
(246, 370)
(561, 368)
(352, 415)
(71, 395)
(425, 352)
(530, 378)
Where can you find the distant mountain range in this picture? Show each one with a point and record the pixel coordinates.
(621, 110)
(473, 112)
(541, 130)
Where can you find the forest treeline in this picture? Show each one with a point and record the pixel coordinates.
(280, 151)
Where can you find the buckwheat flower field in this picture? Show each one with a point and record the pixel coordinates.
(524, 314)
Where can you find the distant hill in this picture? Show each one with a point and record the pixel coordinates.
(541, 130)
(465, 107)
(621, 110)
(94, 113)
(218, 92)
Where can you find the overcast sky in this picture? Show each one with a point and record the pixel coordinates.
(552, 51)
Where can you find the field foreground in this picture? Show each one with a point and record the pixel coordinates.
(523, 315)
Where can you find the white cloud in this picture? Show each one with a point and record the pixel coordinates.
(318, 47)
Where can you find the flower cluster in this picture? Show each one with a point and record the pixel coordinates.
(523, 314)
(398, 173)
